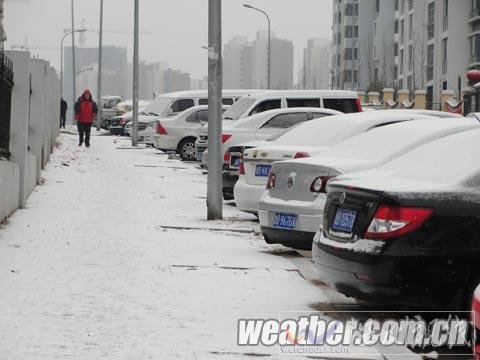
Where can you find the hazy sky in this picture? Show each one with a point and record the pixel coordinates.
(174, 30)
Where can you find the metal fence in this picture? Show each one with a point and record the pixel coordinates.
(6, 85)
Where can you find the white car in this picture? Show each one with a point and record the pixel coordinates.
(305, 140)
(180, 132)
(261, 126)
(291, 209)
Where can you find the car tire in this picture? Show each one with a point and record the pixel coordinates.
(186, 149)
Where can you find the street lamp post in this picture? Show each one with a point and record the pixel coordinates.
(269, 40)
(61, 56)
(74, 84)
(135, 74)
(99, 81)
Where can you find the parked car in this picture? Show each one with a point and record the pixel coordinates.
(261, 126)
(146, 130)
(291, 208)
(266, 126)
(408, 231)
(171, 104)
(180, 132)
(260, 101)
(303, 141)
(107, 108)
(117, 123)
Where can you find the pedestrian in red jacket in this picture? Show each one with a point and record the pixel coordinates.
(86, 111)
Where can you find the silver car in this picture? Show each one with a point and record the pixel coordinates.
(291, 208)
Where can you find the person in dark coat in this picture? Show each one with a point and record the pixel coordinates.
(86, 111)
(63, 112)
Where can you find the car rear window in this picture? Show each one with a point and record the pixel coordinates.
(343, 105)
(293, 103)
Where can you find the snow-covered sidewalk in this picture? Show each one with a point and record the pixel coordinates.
(99, 267)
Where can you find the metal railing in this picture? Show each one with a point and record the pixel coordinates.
(6, 85)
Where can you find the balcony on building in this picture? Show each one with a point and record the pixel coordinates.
(474, 15)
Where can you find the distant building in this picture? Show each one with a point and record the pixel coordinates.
(157, 78)
(317, 59)
(200, 84)
(246, 63)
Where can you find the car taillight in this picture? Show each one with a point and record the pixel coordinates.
(271, 181)
(358, 105)
(161, 130)
(122, 122)
(225, 138)
(241, 167)
(319, 185)
(226, 157)
(392, 221)
(301, 155)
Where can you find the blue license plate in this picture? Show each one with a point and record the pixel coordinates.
(235, 162)
(284, 221)
(344, 220)
(263, 170)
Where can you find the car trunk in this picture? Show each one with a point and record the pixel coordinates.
(348, 213)
(293, 180)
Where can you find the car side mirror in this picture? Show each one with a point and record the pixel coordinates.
(169, 112)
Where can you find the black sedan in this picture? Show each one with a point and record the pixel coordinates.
(409, 231)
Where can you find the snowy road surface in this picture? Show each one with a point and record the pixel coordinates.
(99, 267)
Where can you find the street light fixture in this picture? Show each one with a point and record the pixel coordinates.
(61, 55)
(248, 6)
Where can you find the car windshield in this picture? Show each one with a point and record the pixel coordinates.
(319, 132)
(237, 110)
(158, 106)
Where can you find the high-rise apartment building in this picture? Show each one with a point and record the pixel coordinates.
(316, 64)
(245, 64)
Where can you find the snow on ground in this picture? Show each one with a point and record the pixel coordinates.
(99, 267)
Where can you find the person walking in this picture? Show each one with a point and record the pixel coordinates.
(63, 113)
(86, 111)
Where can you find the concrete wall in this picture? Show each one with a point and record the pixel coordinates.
(34, 127)
(9, 188)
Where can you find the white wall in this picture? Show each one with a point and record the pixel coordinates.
(34, 124)
(9, 188)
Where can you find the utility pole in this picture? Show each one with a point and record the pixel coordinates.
(214, 191)
(99, 81)
(74, 81)
(135, 77)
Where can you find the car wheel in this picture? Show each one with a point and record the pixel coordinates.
(186, 149)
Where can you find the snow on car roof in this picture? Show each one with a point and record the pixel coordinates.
(382, 144)
(332, 129)
(266, 115)
(450, 163)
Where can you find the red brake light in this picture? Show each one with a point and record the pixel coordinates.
(241, 167)
(319, 185)
(393, 221)
(271, 181)
(161, 130)
(225, 138)
(358, 105)
(226, 157)
(301, 155)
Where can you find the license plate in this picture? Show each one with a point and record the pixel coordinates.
(235, 161)
(284, 221)
(263, 170)
(344, 220)
(198, 156)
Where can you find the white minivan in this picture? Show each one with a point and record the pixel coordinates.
(260, 101)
